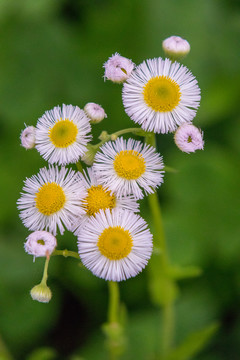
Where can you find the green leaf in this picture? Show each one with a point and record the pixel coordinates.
(193, 344)
(178, 272)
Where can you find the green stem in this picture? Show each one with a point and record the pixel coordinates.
(66, 253)
(113, 309)
(114, 331)
(159, 266)
(136, 131)
(170, 169)
(168, 328)
(45, 271)
(159, 241)
(107, 137)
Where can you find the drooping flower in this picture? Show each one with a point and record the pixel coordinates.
(40, 243)
(118, 68)
(189, 138)
(95, 112)
(62, 134)
(28, 137)
(99, 197)
(129, 167)
(51, 200)
(161, 95)
(176, 47)
(115, 245)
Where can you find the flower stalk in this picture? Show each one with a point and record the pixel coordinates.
(114, 328)
(162, 287)
(42, 292)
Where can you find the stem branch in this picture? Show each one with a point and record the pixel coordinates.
(66, 253)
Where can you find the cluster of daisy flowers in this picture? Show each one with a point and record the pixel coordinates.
(100, 204)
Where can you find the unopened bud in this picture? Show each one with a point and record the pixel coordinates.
(104, 136)
(40, 243)
(175, 47)
(28, 137)
(41, 293)
(189, 138)
(118, 68)
(95, 112)
(114, 137)
(89, 155)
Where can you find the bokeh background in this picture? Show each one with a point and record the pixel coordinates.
(52, 52)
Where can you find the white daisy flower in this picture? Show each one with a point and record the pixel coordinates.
(40, 243)
(51, 200)
(99, 197)
(61, 134)
(128, 167)
(115, 245)
(161, 95)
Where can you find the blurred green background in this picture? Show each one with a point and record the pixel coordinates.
(52, 52)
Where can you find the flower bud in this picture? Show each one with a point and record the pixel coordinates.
(41, 293)
(114, 137)
(104, 136)
(175, 47)
(118, 68)
(89, 155)
(40, 243)
(189, 138)
(28, 137)
(95, 112)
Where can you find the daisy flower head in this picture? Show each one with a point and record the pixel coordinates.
(189, 138)
(129, 167)
(161, 95)
(95, 112)
(40, 243)
(118, 68)
(99, 197)
(62, 134)
(115, 245)
(176, 47)
(51, 200)
(28, 137)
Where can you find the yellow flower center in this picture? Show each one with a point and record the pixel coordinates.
(162, 93)
(50, 198)
(63, 133)
(115, 243)
(129, 164)
(41, 242)
(98, 198)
